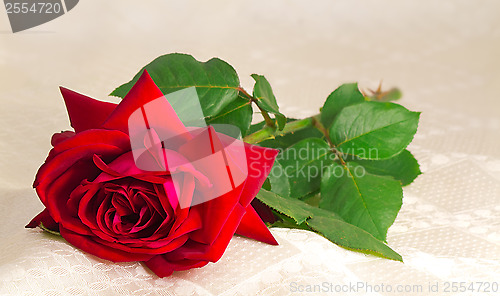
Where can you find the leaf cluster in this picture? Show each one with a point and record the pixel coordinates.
(340, 173)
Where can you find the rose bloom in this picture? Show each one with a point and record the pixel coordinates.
(101, 202)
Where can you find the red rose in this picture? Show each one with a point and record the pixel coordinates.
(102, 203)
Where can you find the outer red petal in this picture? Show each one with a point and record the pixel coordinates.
(88, 245)
(144, 250)
(163, 267)
(60, 137)
(84, 112)
(60, 163)
(55, 196)
(260, 161)
(216, 214)
(90, 137)
(45, 219)
(143, 92)
(193, 250)
(85, 142)
(252, 226)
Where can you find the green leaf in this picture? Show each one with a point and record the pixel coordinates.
(349, 236)
(267, 185)
(373, 130)
(266, 100)
(287, 140)
(238, 113)
(368, 201)
(284, 221)
(312, 198)
(216, 81)
(263, 92)
(256, 127)
(291, 207)
(403, 167)
(281, 121)
(303, 163)
(326, 223)
(280, 183)
(345, 95)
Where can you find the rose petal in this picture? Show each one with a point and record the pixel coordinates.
(252, 227)
(260, 161)
(215, 214)
(59, 191)
(192, 223)
(143, 92)
(100, 250)
(194, 250)
(89, 137)
(45, 219)
(109, 174)
(52, 170)
(163, 267)
(92, 200)
(108, 144)
(137, 246)
(163, 199)
(125, 165)
(84, 112)
(60, 137)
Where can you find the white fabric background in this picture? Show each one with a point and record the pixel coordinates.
(444, 55)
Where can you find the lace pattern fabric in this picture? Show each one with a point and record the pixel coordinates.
(443, 55)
